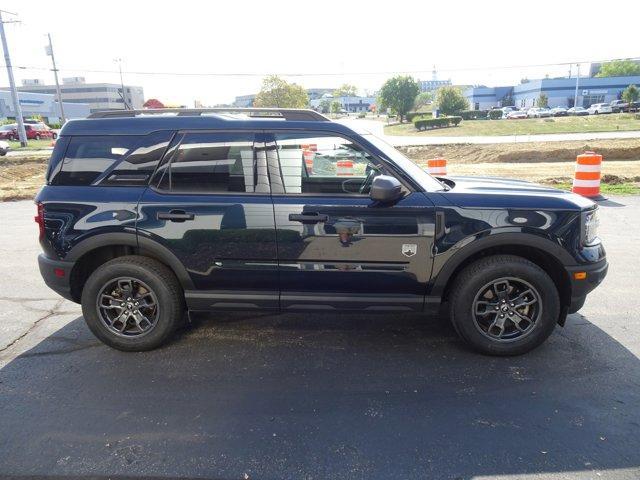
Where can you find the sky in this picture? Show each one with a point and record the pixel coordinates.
(316, 44)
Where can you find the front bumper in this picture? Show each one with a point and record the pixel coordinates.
(56, 275)
(595, 274)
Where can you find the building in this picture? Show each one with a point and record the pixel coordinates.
(99, 96)
(433, 84)
(560, 92)
(350, 104)
(244, 101)
(39, 105)
(315, 93)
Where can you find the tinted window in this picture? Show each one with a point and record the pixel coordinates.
(111, 159)
(320, 164)
(216, 163)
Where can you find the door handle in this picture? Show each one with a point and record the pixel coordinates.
(308, 218)
(176, 216)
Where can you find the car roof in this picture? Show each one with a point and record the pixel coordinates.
(144, 123)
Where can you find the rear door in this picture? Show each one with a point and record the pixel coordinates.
(210, 205)
(338, 249)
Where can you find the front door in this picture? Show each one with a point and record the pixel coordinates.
(210, 205)
(338, 249)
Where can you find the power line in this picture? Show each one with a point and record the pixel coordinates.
(317, 74)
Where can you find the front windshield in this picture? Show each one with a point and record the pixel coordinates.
(425, 180)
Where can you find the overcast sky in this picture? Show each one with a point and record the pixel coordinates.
(464, 39)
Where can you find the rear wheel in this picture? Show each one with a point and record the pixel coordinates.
(132, 303)
(504, 305)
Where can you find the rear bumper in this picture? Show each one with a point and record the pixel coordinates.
(596, 273)
(56, 275)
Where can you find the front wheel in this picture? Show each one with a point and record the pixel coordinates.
(132, 303)
(504, 305)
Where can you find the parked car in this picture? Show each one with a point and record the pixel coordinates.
(618, 106)
(507, 110)
(8, 132)
(516, 115)
(538, 112)
(4, 148)
(559, 112)
(578, 111)
(34, 131)
(144, 216)
(598, 108)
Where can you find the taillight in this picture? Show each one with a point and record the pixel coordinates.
(39, 218)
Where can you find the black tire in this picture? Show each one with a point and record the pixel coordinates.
(155, 277)
(510, 270)
(3, 152)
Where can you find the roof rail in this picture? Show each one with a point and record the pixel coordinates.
(285, 113)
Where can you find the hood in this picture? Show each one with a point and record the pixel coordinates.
(495, 192)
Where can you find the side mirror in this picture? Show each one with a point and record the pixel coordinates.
(385, 189)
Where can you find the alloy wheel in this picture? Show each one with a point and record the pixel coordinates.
(506, 309)
(127, 307)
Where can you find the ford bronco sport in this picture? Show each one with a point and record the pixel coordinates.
(148, 214)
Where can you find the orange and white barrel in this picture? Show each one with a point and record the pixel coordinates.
(344, 168)
(437, 166)
(308, 160)
(586, 181)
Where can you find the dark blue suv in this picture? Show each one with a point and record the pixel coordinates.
(149, 214)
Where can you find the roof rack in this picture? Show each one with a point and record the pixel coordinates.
(292, 114)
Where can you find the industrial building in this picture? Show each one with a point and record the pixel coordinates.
(41, 105)
(99, 96)
(560, 92)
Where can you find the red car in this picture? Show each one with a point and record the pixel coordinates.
(34, 131)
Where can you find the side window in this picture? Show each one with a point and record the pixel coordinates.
(110, 159)
(89, 157)
(137, 166)
(216, 163)
(324, 164)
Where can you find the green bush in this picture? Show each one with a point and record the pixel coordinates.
(473, 114)
(423, 123)
(495, 114)
(362, 115)
(412, 115)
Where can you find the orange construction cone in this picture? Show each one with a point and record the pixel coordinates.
(437, 166)
(586, 181)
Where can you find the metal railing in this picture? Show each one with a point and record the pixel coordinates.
(291, 114)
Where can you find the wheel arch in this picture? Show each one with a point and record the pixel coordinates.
(543, 252)
(89, 254)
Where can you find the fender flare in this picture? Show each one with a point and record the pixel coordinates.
(442, 276)
(158, 251)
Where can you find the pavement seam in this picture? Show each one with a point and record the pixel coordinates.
(49, 313)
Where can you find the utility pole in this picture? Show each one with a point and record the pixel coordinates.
(49, 51)
(124, 99)
(575, 98)
(22, 135)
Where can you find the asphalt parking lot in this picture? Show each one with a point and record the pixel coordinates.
(314, 396)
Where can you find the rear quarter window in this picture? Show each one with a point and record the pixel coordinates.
(111, 159)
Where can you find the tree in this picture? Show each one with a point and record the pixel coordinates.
(450, 100)
(619, 68)
(346, 90)
(153, 103)
(336, 106)
(422, 100)
(276, 92)
(543, 100)
(398, 94)
(325, 105)
(631, 94)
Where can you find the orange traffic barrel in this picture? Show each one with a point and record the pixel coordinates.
(586, 181)
(437, 166)
(308, 159)
(344, 168)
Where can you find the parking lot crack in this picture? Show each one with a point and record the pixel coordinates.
(47, 313)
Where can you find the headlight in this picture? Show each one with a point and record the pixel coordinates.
(590, 222)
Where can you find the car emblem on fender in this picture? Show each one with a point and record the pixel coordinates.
(409, 249)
